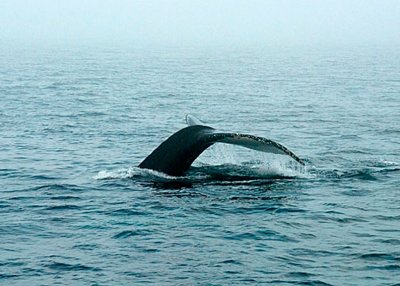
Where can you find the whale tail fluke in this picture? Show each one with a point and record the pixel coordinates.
(176, 154)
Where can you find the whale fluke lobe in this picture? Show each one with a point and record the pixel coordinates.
(191, 120)
(176, 154)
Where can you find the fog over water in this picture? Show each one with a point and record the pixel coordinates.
(199, 23)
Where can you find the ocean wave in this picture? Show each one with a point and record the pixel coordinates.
(61, 266)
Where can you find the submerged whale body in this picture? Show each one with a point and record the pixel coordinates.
(176, 154)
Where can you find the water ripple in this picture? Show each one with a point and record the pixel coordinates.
(60, 266)
(75, 122)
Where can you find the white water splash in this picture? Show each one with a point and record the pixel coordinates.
(219, 154)
(388, 163)
(117, 174)
(131, 172)
(281, 167)
(252, 162)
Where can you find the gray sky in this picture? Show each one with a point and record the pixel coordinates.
(200, 22)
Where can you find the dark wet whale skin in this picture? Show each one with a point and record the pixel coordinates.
(176, 154)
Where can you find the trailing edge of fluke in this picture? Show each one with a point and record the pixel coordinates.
(176, 154)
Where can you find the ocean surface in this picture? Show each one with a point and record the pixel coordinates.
(75, 209)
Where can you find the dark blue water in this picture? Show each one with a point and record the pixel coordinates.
(74, 123)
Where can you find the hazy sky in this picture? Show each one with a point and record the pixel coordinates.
(200, 22)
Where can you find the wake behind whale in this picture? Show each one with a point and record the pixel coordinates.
(175, 155)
